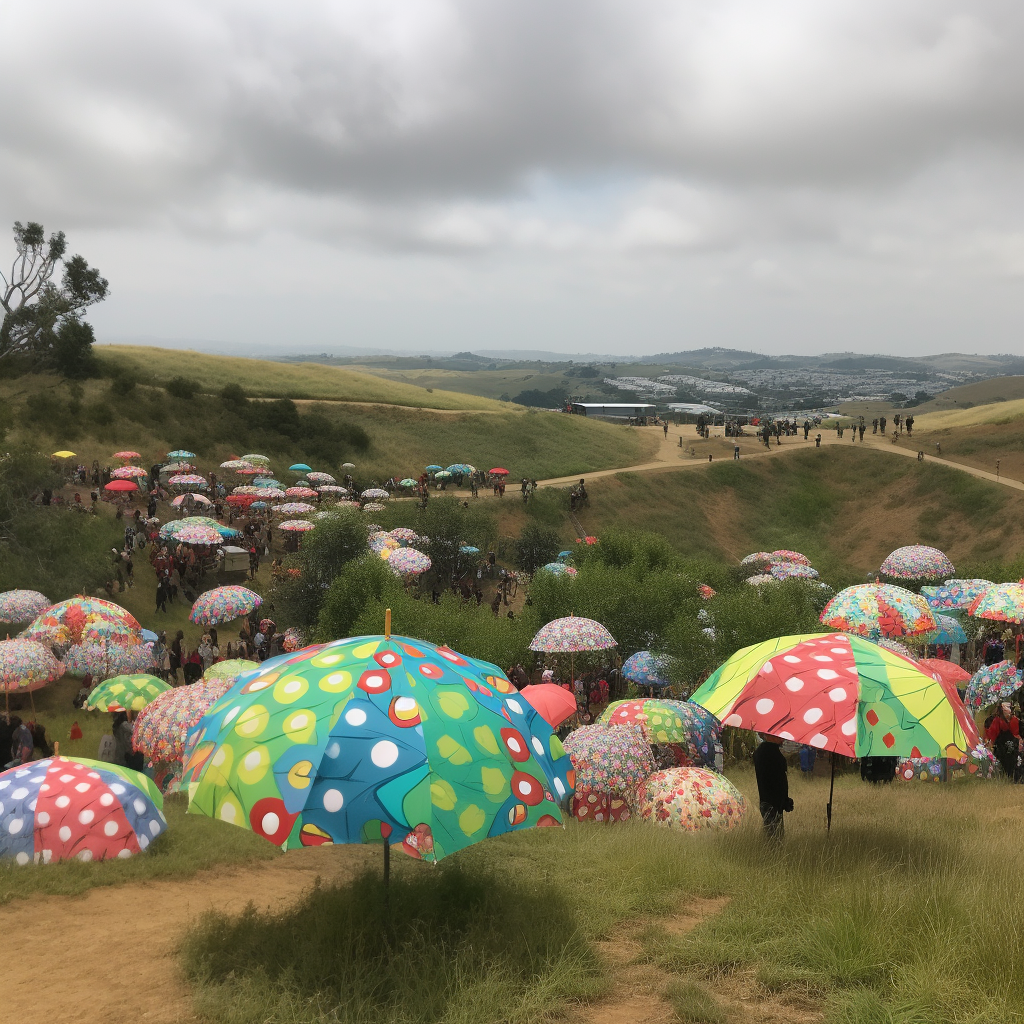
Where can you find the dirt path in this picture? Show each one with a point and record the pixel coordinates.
(110, 955)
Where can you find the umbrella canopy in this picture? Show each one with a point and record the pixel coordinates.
(407, 482)
(269, 492)
(300, 492)
(348, 465)
(229, 670)
(160, 730)
(332, 489)
(705, 591)
(294, 508)
(64, 455)
(1002, 602)
(175, 527)
(375, 494)
(62, 809)
(760, 579)
(917, 562)
(103, 659)
(405, 535)
(443, 475)
(27, 665)
(256, 460)
(955, 594)
(129, 473)
(687, 729)
(946, 671)
(222, 604)
(321, 478)
(840, 693)
(606, 760)
(196, 533)
(408, 562)
(171, 468)
(127, 456)
(300, 467)
(433, 469)
(373, 506)
(377, 739)
(195, 499)
(294, 640)
(236, 464)
(572, 635)
(266, 481)
(121, 485)
(557, 569)
(296, 525)
(182, 454)
(690, 799)
(564, 556)
(757, 558)
(949, 632)
(498, 472)
(22, 605)
(878, 609)
(468, 550)
(992, 683)
(793, 557)
(792, 571)
(126, 693)
(247, 470)
(187, 480)
(646, 669)
(77, 612)
(553, 703)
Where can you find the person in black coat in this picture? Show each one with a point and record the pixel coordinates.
(772, 784)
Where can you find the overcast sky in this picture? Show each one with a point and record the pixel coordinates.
(639, 176)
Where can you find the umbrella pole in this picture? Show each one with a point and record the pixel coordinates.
(387, 877)
(32, 701)
(831, 788)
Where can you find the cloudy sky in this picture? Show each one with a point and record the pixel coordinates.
(565, 175)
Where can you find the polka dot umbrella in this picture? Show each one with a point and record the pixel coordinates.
(840, 693)
(610, 764)
(222, 604)
(917, 562)
(1002, 602)
(690, 799)
(687, 731)
(126, 693)
(955, 595)
(377, 739)
(22, 605)
(878, 609)
(61, 808)
(992, 684)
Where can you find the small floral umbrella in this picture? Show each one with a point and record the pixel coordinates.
(269, 492)
(407, 482)
(63, 808)
(129, 472)
(248, 470)
(687, 729)
(296, 525)
(22, 605)
(572, 634)
(236, 464)
(917, 562)
(647, 669)
(612, 761)
(787, 556)
(222, 604)
(321, 478)
(178, 467)
(332, 489)
(182, 454)
(408, 562)
(979, 763)
(757, 558)
(230, 670)
(103, 660)
(760, 579)
(294, 508)
(187, 480)
(75, 612)
(691, 799)
(993, 683)
(125, 693)
(196, 534)
(256, 460)
(405, 536)
(559, 569)
(949, 632)
(705, 591)
(127, 456)
(954, 595)
(375, 494)
(372, 506)
(186, 499)
(27, 665)
(1002, 602)
(294, 640)
(878, 609)
(792, 571)
(300, 492)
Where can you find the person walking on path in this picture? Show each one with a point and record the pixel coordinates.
(881, 425)
(861, 429)
(770, 769)
(910, 426)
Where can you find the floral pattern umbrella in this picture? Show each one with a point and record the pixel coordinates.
(405, 536)
(840, 693)
(646, 669)
(705, 591)
(559, 569)
(572, 635)
(408, 562)
(878, 609)
(949, 632)
(197, 534)
(917, 562)
(294, 639)
(63, 808)
(992, 684)
(294, 508)
(236, 464)
(686, 728)
(128, 473)
(296, 525)
(613, 761)
(761, 579)
(27, 665)
(320, 478)
(978, 764)
(1002, 602)
(300, 492)
(187, 480)
(229, 670)
(955, 595)
(126, 693)
(222, 604)
(377, 739)
(269, 492)
(790, 557)
(77, 612)
(375, 494)
(256, 460)
(690, 799)
(105, 659)
(127, 456)
(182, 454)
(22, 605)
(370, 506)
(792, 571)
(186, 499)
(757, 558)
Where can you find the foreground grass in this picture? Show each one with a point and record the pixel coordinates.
(888, 919)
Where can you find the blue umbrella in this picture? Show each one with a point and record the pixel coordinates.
(259, 504)
(300, 467)
(949, 632)
(433, 469)
(468, 549)
(181, 455)
(646, 669)
(558, 569)
(565, 556)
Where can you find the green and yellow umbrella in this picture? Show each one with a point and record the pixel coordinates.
(126, 693)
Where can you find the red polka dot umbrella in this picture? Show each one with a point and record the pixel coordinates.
(840, 693)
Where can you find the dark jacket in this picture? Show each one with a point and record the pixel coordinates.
(772, 780)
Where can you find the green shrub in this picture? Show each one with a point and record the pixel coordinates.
(183, 388)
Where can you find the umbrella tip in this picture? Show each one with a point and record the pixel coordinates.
(387, 624)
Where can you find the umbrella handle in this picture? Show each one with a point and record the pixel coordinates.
(831, 789)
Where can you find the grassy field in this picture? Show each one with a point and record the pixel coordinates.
(279, 380)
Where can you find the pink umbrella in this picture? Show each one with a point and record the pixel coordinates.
(551, 702)
(300, 492)
(296, 525)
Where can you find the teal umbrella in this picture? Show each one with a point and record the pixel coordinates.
(949, 632)
(181, 455)
(432, 469)
(299, 467)
(407, 482)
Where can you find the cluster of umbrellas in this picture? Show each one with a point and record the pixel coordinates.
(776, 566)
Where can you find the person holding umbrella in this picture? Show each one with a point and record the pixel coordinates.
(771, 771)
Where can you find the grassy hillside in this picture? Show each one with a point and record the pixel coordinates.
(278, 380)
(984, 392)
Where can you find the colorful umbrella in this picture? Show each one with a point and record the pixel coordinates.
(197, 534)
(468, 550)
(377, 739)
(105, 659)
(294, 640)
(76, 612)
(760, 579)
(125, 693)
(300, 467)
(557, 569)
(256, 460)
(791, 557)
(222, 604)
(949, 632)
(757, 558)
(177, 467)
(300, 492)
(61, 808)
(196, 499)
(407, 482)
(613, 761)
(955, 594)
(236, 464)
(553, 703)
(229, 670)
(296, 525)
(498, 472)
(27, 665)
(572, 635)
(705, 591)
(979, 763)
(187, 480)
(182, 454)
(372, 506)
(248, 470)
(433, 469)
(945, 671)
(690, 799)
(1003, 602)
(993, 683)
(408, 562)
(294, 508)
(878, 609)
(404, 535)
(840, 693)
(688, 730)
(375, 494)
(121, 485)
(321, 478)
(128, 473)
(22, 605)
(332, 489)
(64, 455)
(269, 492)
(127, 456)
(266, 481)
(647, 669)
(792, 571)
(917, 562)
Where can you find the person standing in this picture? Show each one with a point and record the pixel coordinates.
(909, 423)
(771, 769)
(1004, 733)
(881, 425)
